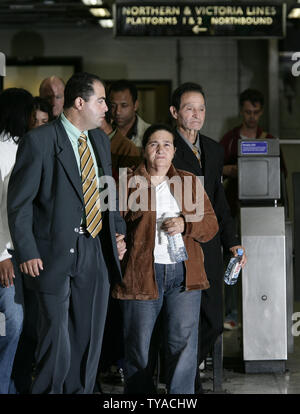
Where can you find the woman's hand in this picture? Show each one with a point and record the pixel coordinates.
(6, 273)
(121, 245)
(173, 225)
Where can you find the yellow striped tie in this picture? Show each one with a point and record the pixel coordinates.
(196, 152)
(89, 187)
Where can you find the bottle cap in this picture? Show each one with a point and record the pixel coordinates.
(240, 252)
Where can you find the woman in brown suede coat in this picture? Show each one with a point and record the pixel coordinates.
(161, 201)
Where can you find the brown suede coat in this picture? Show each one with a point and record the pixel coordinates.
(138, 263)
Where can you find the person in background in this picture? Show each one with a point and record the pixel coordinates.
(15, 111)
(124, 153)
(123, 96)
(52, 89)
(153, 281)
(251, 103)
(67, 245)
(41, 114)
(203, 156)
(25, 359)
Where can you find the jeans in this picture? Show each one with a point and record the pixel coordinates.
(180, 312)
(11, 305)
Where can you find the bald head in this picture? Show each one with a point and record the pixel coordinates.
(52, 89)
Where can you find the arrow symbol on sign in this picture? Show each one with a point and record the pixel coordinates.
(197, 29)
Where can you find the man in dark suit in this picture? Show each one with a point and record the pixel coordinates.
(203, 156)
(67, 244)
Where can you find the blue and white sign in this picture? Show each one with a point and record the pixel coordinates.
(254, 147)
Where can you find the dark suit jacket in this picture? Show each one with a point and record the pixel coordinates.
(212, 155)
(45, 204)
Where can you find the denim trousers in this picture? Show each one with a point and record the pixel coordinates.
(11, 306)
(179, 310)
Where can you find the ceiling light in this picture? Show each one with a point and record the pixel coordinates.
(295, 11)
(106, 24)
(100, 12)
(92, 2)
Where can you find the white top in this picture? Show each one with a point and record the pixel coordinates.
(8, 150)
(166, 207)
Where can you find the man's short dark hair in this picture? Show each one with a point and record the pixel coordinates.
(252, 95)
(185, 87)
(156, 127)
(15, 110)
(122, 85)
(80, 85)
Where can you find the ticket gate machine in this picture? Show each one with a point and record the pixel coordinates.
(264, 308)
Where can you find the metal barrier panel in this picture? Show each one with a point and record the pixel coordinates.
(264, 284)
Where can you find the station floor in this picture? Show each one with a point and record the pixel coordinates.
(235, 380)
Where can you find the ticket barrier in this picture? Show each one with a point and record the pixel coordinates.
(263, 234)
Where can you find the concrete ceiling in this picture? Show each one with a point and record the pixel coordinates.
(47, 13)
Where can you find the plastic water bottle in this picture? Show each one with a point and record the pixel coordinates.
(177, 248)
(233, 269)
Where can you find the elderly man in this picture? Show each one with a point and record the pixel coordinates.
(203, 156)
(67, 245)
(52, 89)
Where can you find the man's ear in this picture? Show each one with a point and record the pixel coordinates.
(173, 111)
(78, 103)
(136, 105)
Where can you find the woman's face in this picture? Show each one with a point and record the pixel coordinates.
(38, 118)
(160, 150)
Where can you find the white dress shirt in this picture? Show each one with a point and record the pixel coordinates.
(166, 207)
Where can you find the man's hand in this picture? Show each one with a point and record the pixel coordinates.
(32, 267)
(6, 273)
(234, 250)
(121, 245)
(173, 225)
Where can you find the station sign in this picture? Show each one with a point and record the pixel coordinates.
(197, 19)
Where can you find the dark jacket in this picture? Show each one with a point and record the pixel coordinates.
(139, 275)
(212, 155)
(45, 204)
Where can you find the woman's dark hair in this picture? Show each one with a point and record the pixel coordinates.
(15, 110)
(42, 105)
(157, 127)
(80, 84)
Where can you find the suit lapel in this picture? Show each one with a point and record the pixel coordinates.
(184, 152)
(66, 157)
(98, 150)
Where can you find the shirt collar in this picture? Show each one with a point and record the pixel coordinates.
(197, 144)
(133, 130)
(72, 131)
